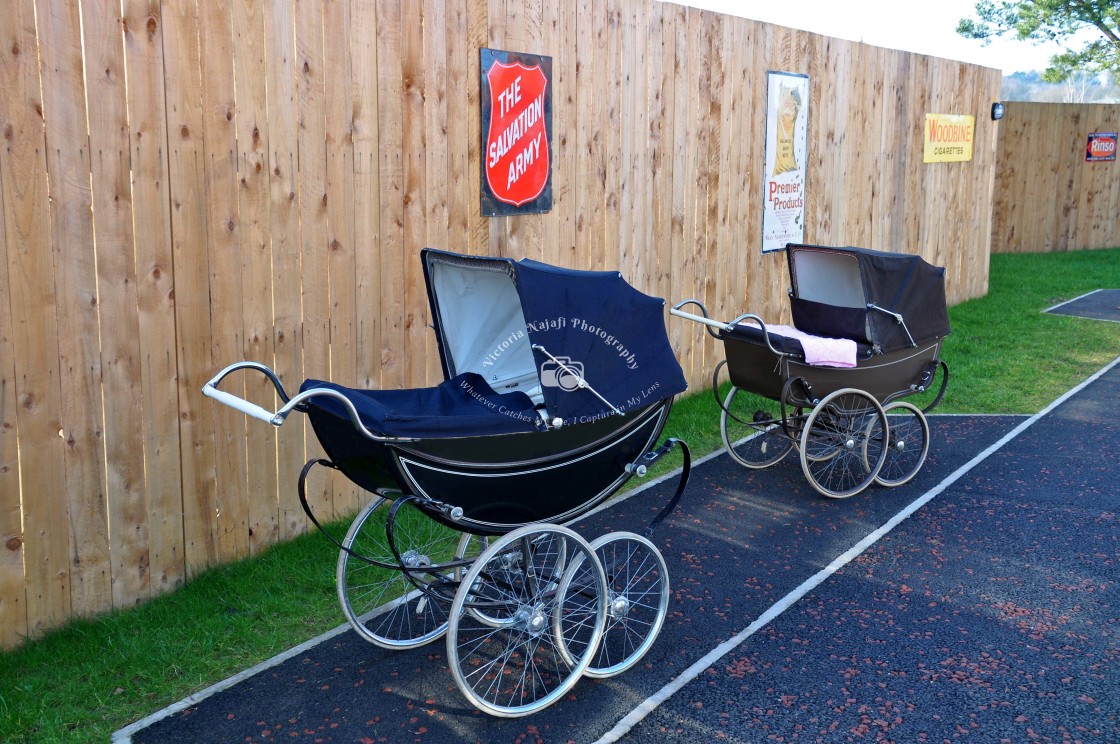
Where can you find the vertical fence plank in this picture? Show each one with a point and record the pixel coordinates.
(365, 38)
(658, 73)
(341, 206)
(457, 134)
(875, 164)
(561, 30)
(755, 291)
(13, 612)
(1108, 119)
(895, 146)
(1052, 160)
(1089, 193)
(219, 108)
(588, 193)
(1101, 177)
(418, 96)
(287, 275)
(712, 138)
(685, 106)
(533, 227)
(147, 115)
(638, 258)
(311, 74)
(461, 212)
(478, 36)
(917, 184)
(392, 188)
(733, 169)
(508, 24)
(675, 91)
(72, 241)
(494, 24)
(32, 398)
(1067, 184)
(187, 179)
(117, 300)
(250, 138)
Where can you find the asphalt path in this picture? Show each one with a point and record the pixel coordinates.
(977, 603)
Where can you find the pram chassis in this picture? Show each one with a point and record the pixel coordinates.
(494, 586)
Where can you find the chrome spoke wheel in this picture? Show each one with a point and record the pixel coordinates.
(907, 444)
(517, 641)
(842, 444)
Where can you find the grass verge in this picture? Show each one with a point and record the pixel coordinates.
(92, 677)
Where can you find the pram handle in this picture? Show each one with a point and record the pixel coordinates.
(725, 327)
(703, 318)
(210, 390)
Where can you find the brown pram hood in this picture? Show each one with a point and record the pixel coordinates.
(887, 300)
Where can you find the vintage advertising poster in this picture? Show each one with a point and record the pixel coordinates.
(1101, 146)
(948, 138)
(787, 126)
(516, 133)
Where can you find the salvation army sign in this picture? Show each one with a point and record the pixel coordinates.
(516, 133)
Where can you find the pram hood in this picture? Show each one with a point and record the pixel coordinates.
(860, 294)
(528, 326)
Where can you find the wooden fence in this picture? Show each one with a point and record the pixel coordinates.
(188, 184)
(1047, 196)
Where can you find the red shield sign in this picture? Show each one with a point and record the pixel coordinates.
(516, 157)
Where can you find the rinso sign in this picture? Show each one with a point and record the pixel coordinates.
(1101, 146)
(517, 132)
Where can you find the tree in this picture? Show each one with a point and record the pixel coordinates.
(1058, 21)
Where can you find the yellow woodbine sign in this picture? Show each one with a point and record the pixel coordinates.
(948, 138)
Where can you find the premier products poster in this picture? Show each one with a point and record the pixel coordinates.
(787, 126)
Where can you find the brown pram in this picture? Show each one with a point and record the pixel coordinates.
(847, 422)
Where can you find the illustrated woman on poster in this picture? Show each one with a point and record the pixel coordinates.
(789, 106)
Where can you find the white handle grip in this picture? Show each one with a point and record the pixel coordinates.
(240, 404)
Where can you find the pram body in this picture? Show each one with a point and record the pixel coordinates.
(557, 386)
(849, 424)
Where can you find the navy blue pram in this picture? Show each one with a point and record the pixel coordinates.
(557, 386)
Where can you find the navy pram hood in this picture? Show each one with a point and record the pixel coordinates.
(527, 325)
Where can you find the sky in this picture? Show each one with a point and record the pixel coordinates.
(912, 25)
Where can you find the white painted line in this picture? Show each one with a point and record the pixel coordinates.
(1075, 299)
(653, 701)
(124, 736)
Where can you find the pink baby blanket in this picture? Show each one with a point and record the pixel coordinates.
(820, 351)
